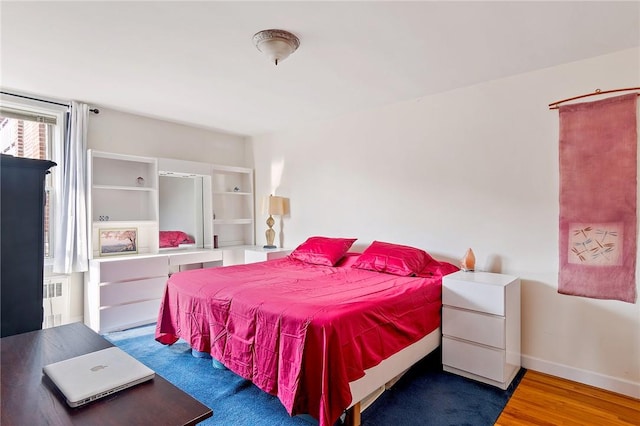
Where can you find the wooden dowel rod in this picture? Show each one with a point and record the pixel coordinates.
(554, 105)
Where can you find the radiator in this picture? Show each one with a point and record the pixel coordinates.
(56, 301)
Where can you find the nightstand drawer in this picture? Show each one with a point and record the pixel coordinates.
(481, 328)
(473, 294)
(480, 360)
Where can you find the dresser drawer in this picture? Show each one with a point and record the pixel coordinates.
(132, 268)
(131, 291)
(474, 295)
(188, 258)
(480, 360)
(130, 315)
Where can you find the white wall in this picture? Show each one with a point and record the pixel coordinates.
(475, 167)
(115, 131)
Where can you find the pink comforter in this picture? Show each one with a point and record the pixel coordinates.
(299, 331)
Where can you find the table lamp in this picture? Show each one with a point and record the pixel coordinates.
(272, 205)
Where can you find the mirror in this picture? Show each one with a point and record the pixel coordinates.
(183, 201)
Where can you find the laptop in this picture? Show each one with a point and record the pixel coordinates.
(95, 375)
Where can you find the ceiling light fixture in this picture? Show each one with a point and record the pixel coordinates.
(276, 44)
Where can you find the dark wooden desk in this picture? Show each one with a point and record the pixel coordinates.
(29, 397)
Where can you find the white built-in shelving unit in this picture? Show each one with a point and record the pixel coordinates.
(233, 205)
(152, 195)
(123, 193)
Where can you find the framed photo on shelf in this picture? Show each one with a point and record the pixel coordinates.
(118, 241)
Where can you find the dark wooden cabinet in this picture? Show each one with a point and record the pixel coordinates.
(21, 243)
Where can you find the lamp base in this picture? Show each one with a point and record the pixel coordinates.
(269, 247)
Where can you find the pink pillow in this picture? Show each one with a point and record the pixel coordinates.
(438, 269)
(322, 250)
(348, 260)
(393, 259)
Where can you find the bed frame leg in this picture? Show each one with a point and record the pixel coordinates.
(353, 416)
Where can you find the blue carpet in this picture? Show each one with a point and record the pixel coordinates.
(424, 396)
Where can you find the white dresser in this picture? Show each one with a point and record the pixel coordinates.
(122, 292)
(481, 326)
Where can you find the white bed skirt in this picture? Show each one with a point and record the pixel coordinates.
(376, 379)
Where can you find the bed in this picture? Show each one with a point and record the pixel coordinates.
(316, 327)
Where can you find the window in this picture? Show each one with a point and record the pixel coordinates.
(35, 129)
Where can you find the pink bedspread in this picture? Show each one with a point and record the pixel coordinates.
(174, 239)
(299, 331)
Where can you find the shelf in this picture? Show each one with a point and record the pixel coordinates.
(124, 205)
(123, 188)
(123, 223)
(232, 221)
(122, 171)
(231, 193)
(233, 205)
(122, 157)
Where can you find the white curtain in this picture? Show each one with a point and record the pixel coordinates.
(71, 252)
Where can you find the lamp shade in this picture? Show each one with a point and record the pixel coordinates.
(277, 45)
(274, 205)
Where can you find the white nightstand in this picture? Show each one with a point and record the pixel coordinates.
(481, 326)
(260, 254)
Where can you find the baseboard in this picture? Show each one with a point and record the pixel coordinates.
(613, 384)
(76, 319)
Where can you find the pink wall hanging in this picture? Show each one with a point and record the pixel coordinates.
(598, 191)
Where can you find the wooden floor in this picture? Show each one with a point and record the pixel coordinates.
(541, 399)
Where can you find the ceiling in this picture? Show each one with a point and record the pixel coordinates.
(194, 62)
